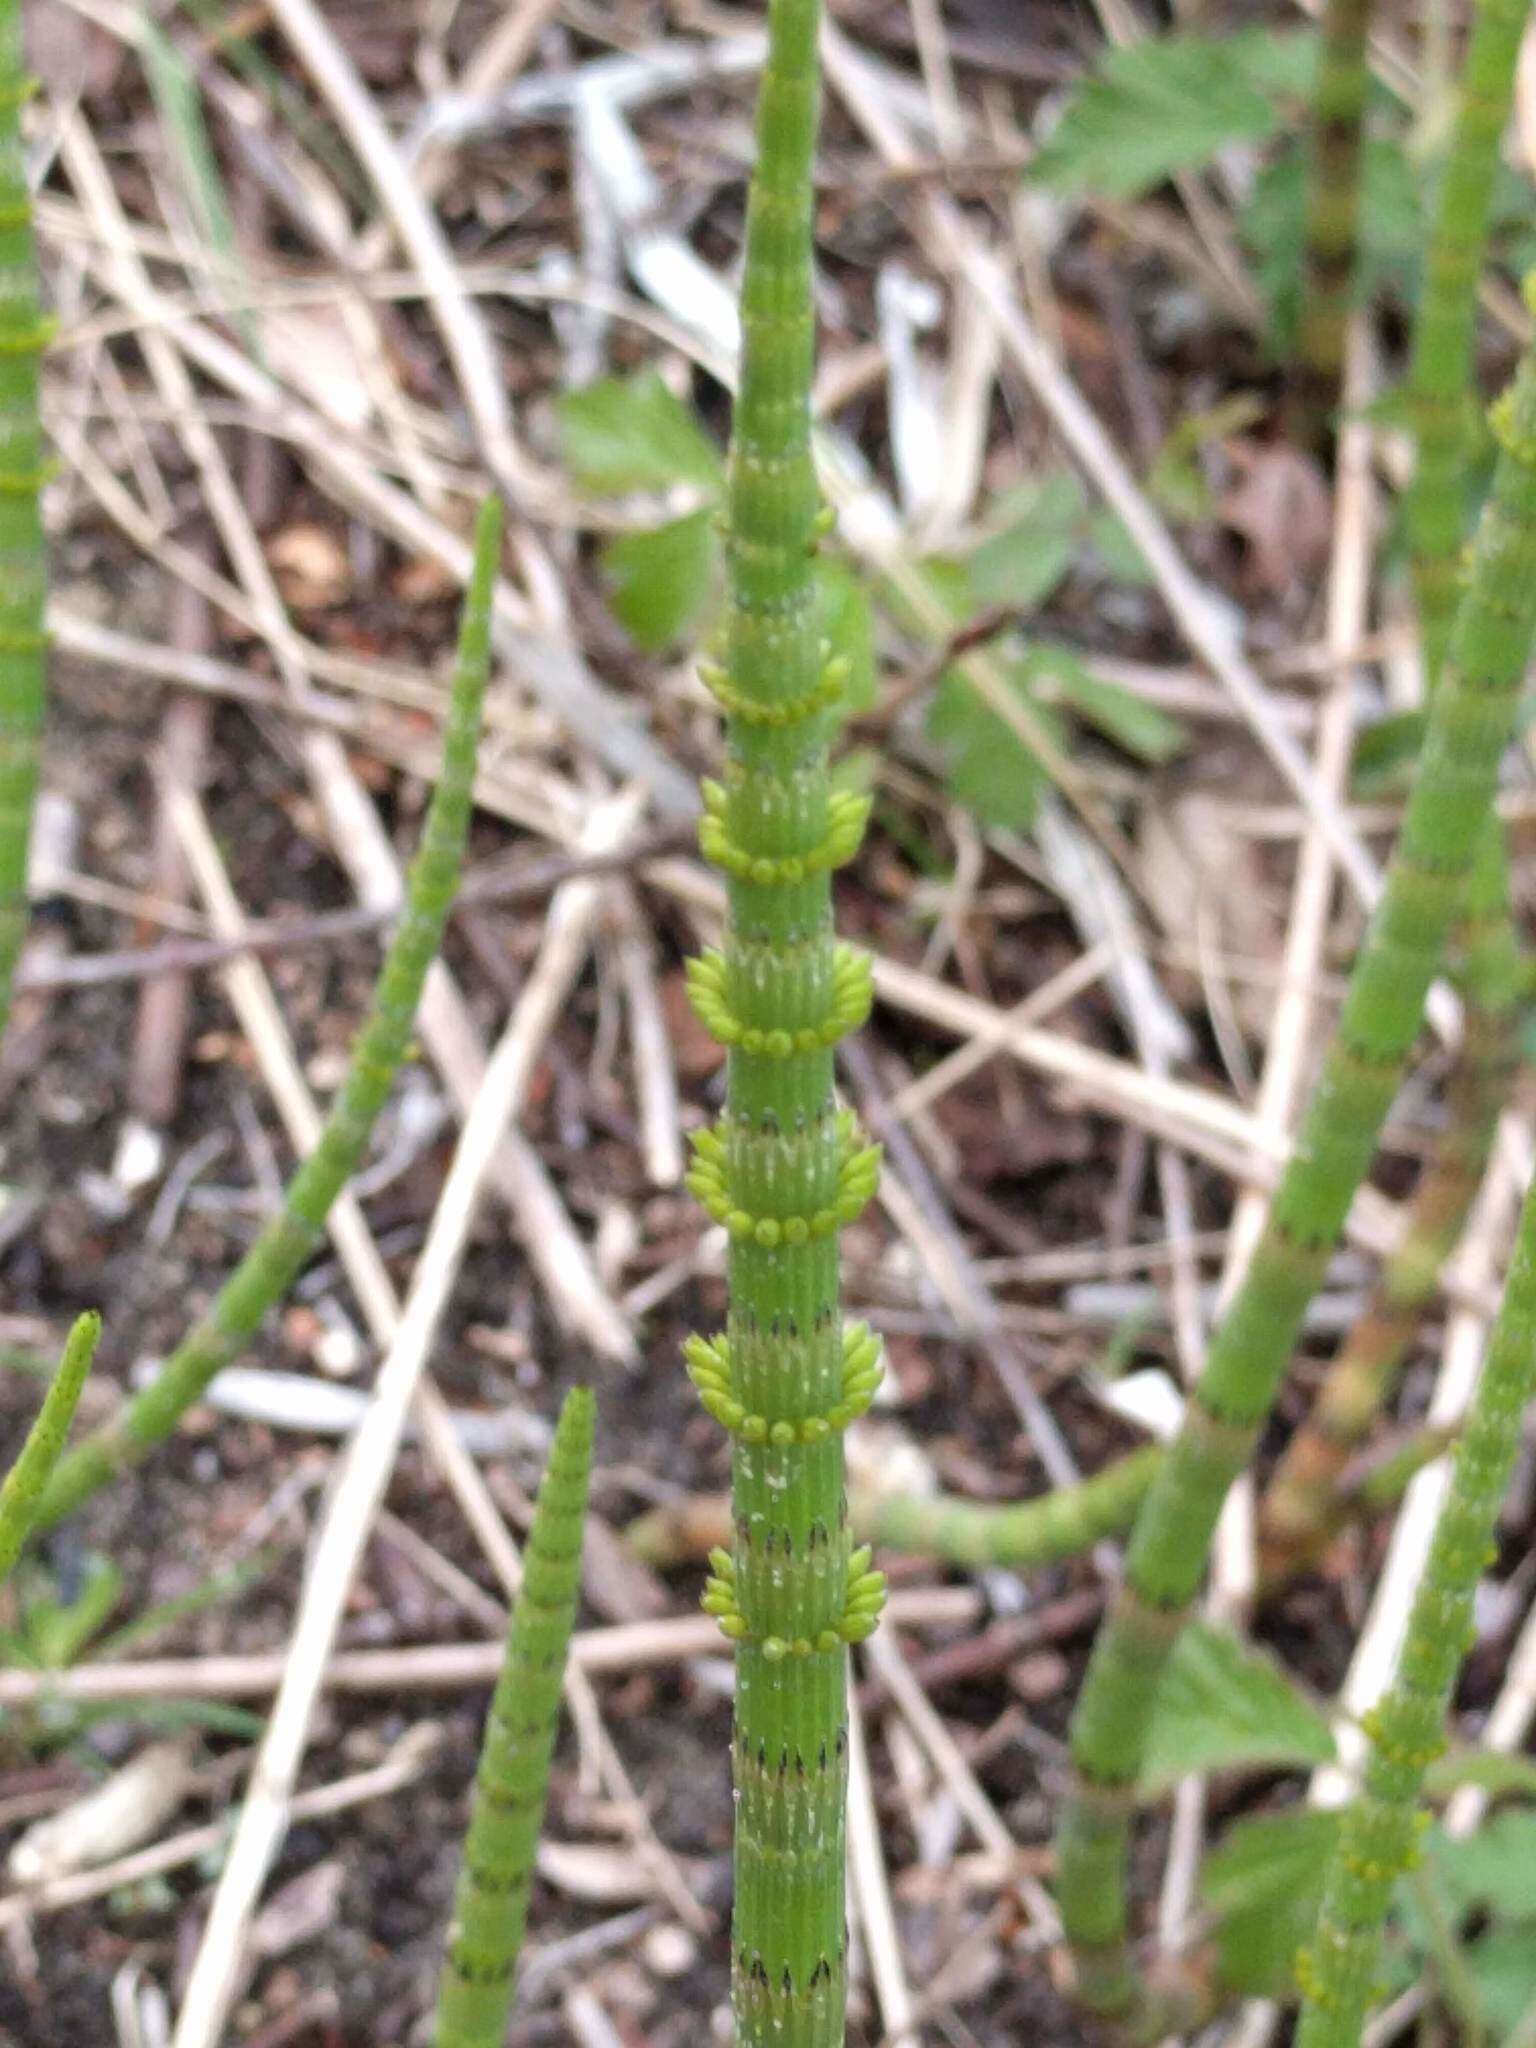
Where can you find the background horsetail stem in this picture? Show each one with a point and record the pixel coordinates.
(23, 468)
(1022, 1534)
(1470, 718)
(1018, 1534)
(1299, 1512)
(279, 1254)
(1441, 375)
(1296, 1510)
(490, 1907)
(1332, 211)
(26, 1479)
(1378, 1840)
(783, 1169)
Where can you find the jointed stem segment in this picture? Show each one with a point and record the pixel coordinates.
(1440, 384)
(1297, 1512)
(279, 1254)
(1471, 716)
(24, 469)
(24, 1483)
(1332, 211)
(1407, 1729)
(709, 1367)
(783, 1169)
(1304, 1505)
(512, 1782)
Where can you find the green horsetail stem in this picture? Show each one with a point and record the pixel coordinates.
(1331, 213)
(784, 1168)
(1018, 1535)
(1296, 1512)
(24, 334)
(290, 1239)
(490, 1909)
(1299, 1513)
(1440, 381)
(1379, 1838)
(24, 1483)
(1471, 715)
(1021, 1535)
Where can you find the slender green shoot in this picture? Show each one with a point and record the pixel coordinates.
(1020, 1536)
(1296, 1510)
(1332, 214)
(784, 1169)
(512, 1784)
(1471, 716)
(1379, 1838)
(290, 1239)
(1440, 382)
(24, 469)
(1301, 1508)
(24, 1483)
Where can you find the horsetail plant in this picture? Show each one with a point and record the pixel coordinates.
(784, 1168)
(1019, 1535)
(512, 1782)
(24, 334)
(1471, 715)
(284, 1245)
(24, 1483)
(1299, 1510)
(1379, 1837)
(1295, 1512)
(1441, 373)
(1330, 232)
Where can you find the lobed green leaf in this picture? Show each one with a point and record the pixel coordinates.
(634, 434)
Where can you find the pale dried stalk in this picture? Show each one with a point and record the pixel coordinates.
(406, 1761)
(348, 1515)
(445, 1667)
(360, 840)
(421, 236)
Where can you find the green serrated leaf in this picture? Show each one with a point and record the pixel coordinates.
(662, 581)
(1224, 1705)
(848, 627)
(1168, 103)
(633, 434)
(1264, 1884)
(1140, 728)
(1040, 526)
(988, 769)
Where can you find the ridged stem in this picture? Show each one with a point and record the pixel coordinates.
(490, 1909)
(1378, 1840)
(1295, 1516)
(1298, 1513)
(784, 1169)
(24, 334)
(1471, 716)
(1440, 380)
(290, 1239)
(1331, 213)
(24, 1483)
(1020, 1536)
